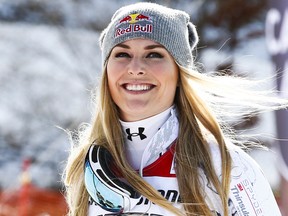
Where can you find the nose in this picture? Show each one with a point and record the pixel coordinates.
(136, 67)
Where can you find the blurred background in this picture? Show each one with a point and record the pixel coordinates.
(50, 61)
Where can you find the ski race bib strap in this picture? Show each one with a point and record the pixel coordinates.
(104, 186)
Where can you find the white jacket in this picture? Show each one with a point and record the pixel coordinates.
(250, 193)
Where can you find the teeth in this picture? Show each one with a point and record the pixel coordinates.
(137, 87)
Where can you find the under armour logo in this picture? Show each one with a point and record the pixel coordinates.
(140, 133)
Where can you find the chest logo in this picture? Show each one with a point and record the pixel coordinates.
(140, 133)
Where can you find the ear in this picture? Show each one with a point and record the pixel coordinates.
(193, 35)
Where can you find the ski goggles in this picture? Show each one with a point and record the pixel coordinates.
(104, 185)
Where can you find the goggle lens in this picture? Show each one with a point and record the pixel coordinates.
(101, 194)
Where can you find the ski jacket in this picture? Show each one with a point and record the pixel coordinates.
(250, 193)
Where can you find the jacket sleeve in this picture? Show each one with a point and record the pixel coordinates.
(250, 191)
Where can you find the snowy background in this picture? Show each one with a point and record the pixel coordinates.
(50, 61)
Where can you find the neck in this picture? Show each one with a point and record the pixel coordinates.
(139, 133)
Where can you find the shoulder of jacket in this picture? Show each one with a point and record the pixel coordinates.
(240, 159)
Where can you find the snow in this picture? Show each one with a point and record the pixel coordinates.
(47, 73)
(45, 82)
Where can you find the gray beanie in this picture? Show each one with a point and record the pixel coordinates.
(169, 27)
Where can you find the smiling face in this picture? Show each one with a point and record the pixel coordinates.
(142, 78)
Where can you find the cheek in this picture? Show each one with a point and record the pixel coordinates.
(111, 84)
(111, 81)
(114, 71)
(111, 74)
(169, 75)
(112, 88)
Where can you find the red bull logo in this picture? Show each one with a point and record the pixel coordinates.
(134, 18)
(136, 23)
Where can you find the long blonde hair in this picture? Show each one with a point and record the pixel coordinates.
(197, 99)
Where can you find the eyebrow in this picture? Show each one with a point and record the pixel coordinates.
(154, 46)
(149, 47)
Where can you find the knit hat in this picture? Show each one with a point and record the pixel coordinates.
(168, 27)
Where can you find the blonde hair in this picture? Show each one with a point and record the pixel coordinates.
(199, 99)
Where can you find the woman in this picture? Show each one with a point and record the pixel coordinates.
(158, 144)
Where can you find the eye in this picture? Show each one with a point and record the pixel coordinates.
(154, 55)
(122, 55)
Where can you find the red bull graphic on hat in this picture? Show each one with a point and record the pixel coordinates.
(134, 18)
(134, 23)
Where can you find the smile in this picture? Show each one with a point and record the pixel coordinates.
(138, 87)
